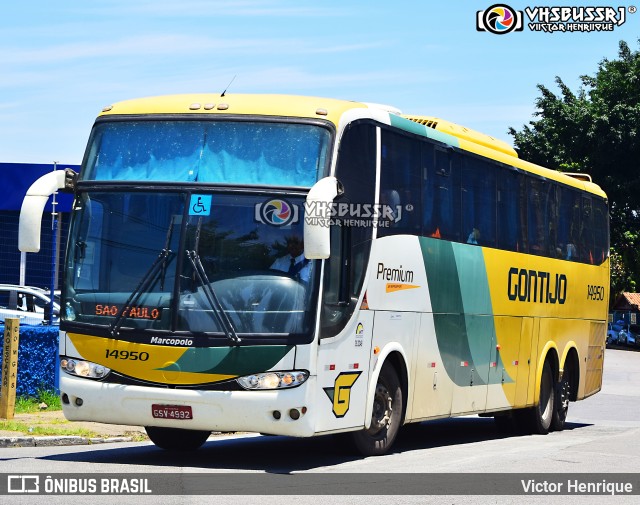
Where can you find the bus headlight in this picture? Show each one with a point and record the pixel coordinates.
(273, 380)
(82, 368)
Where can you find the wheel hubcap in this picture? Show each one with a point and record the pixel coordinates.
(564, 395)
(382, 409)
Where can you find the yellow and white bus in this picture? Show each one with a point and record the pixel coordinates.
(305, 266)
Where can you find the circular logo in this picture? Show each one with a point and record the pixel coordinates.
(277, 212)
(499, 19)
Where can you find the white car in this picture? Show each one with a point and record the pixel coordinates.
(29, 304)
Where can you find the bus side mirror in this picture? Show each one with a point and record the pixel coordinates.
(33, 206)
(317, 218)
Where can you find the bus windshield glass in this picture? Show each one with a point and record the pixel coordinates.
(200, 262)
(229, 152)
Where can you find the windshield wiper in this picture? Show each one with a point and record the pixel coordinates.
(221, 316)
(159, 265)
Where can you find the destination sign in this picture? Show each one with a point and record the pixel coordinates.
(130, 312)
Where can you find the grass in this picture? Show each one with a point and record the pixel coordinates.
(57, 427)
(35, 426)
(34, 429)
(31, 404)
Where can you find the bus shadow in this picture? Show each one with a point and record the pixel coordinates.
(283, 455)
(457, 431)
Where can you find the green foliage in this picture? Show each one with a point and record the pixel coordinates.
(597, 131)
(35, 428)
(27, 404)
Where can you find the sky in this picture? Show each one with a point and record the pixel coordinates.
(62, 61)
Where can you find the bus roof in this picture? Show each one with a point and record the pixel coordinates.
(332, 110)
(240, 104)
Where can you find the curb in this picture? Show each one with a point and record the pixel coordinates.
(57, 441)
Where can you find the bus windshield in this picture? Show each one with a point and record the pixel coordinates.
(232, 152)
(202, 262)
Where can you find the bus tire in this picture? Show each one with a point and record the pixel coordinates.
(175, 439)
(562, 396)
(386, 415)
(542, 414)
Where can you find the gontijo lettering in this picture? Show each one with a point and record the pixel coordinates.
(535, 286)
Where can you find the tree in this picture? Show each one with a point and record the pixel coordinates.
(597, 131)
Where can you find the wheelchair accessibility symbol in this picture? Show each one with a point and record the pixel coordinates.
(200, 205)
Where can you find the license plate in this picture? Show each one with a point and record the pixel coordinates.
(178, 412)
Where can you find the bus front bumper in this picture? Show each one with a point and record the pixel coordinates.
(273, 412)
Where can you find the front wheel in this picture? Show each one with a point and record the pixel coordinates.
(386, 417)
(175, 439)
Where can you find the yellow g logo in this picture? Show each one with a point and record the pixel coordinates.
(340, 393)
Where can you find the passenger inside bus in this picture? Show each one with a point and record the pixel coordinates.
(474, 237)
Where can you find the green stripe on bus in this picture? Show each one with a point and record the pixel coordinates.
(462, 312)
(230, 360)
(418, 129)
(448, 311)
(476, 304)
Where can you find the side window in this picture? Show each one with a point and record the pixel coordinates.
(30, 304)
(536, 223)
(586, 248)
(572, 213)
(400, 178)
(601, 230)
(552, 214)
(510, 235)
(13, 300)
(441, 194)
(478, 184)
(40, 305)
(88, 250)
(4, 299)
(22, 302)
(350, 246)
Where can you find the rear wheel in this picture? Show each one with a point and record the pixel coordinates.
(562, 397)
(174, 439)
(386, 417)
(538, 419)
(543, 412)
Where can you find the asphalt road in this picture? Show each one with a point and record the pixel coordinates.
(602, 438)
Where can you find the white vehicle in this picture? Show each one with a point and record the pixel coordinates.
(29, 304)
(441, 275)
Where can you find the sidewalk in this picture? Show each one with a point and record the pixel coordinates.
(92, 433)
